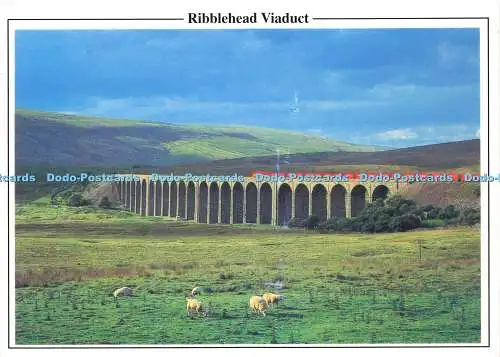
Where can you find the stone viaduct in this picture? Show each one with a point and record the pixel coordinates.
(249, 202)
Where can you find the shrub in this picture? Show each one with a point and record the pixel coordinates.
(105, 203)
(312, 222)
(405, 223)
(399, 205)
(77, 200)
(428, 212)
(382, 224)
(470, 216)
(336, 224)
(449, 212)
(297, 223)
(368, 227)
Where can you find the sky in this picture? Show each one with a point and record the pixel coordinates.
(390, 87)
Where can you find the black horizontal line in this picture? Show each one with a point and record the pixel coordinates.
(106, 19)
(314, 18)
(400, 18)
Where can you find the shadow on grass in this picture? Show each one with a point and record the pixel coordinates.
(134, 229)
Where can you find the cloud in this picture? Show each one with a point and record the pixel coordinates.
(397, 134)
(478, 133)
(144, 107)
(453, 54)
(391, 91)
(420, 135)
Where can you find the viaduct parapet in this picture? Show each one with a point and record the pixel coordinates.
(250, 201)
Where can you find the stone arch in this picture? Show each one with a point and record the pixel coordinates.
(284, 204)
(128, 203)
(151, 199)
(137, 196)
(238, 203)
(214, 203)
(301, 202)
(251, 203)
(337, 201)
(381, 191)
(173, 199)
(143, 197)
(319, 202)
(119, 187)
(225, 207)
(358, 200)
(182, 200)
(158, 198)
(190, 200)
(166, 199)
(203, 203)
(266, 203)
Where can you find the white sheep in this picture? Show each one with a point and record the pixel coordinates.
(125, 291)
(195, 305)
(258, 304)
(272, 298)
(196, 291)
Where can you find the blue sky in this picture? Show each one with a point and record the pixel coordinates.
(394, 87)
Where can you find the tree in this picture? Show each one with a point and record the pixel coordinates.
(405, 223)
(77, 200)
(105, 203)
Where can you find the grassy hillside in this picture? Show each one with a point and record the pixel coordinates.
(347, 288)
(54, 138)
(460, 156)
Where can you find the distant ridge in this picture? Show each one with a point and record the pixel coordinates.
(45, 138)
(447, 156)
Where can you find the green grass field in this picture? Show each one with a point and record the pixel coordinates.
(348, 288)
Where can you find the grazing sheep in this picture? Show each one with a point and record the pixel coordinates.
(258, 304)
(125, 291)
(272, 299)
(196, 291)
(194, 305)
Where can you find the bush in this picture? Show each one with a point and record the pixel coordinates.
(449, 212)
(336, 224)
(405, 223)
(312, 222)
(297, 223)
(372, 209)
(398, 205)
(77, 200)
(470, 217)
(428, 212)
(105, 203)
(383, 223)
(368, 227)
(395, 214)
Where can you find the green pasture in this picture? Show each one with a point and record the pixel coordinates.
(414, 287)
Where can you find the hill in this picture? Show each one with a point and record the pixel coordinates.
(60, 139)
(457, 156)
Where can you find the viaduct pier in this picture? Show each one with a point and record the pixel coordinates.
(250, 201)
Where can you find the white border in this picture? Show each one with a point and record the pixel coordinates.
(366, 10)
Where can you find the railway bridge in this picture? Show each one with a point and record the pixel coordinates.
(250, 201)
